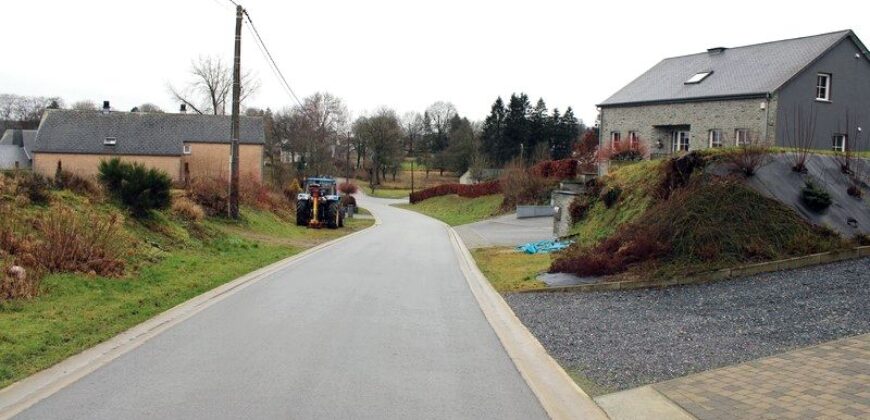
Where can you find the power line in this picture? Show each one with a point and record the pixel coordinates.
(268, 56)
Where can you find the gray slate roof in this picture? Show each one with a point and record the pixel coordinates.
(20, 138)
(160, 134)
(742, 71)
(9, 154)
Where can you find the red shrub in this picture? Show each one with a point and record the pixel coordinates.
(624, 150)
(468, 191)
(559, 169)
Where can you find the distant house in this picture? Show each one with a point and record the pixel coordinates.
(15, 149)
(728, 96)
(183, 145)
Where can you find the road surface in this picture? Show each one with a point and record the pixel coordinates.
(381, 325)
(506, 230)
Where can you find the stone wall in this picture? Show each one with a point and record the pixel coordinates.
(653, 122)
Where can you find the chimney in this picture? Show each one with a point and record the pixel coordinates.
(183, 109)
(716, 50)
(106, 107)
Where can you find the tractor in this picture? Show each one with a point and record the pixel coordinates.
(318, 204)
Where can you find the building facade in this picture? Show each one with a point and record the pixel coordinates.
(728, 97)
(185, 146)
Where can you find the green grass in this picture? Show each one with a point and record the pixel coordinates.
(360, 210)
(455, 210)
(509, 270)
(75, 312)
(823, 152)
(637, 182)
(386, 192)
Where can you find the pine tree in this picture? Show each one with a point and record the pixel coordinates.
(540, 126)
(492, 137)
(565, 132)
(516, 132)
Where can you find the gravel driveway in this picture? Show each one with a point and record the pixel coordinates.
(625, 339)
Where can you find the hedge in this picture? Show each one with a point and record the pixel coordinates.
(468, 191)
(560, 169)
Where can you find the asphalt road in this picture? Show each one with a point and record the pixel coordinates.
(506, 230)
(382, 325)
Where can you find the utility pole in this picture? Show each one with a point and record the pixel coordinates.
(411, 137)
(234, 145)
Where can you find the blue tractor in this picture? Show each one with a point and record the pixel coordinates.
(318, 204)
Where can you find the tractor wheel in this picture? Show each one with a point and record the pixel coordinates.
(303, 212)
(333, 215)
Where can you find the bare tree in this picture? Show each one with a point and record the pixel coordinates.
(382, 133)
(150, 108)
(311, 134)
(25, 111)
(209, 90)
(798, 131)
(85, 105)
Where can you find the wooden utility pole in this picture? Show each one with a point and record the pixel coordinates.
(411, 137)
(234, 144)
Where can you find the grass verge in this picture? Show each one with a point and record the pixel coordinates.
(75, 312)
(455, 210)
(509, 270)
(387, 192)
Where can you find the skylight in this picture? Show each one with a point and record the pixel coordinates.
(698, 77)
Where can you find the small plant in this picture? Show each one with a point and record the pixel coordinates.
(815, 198)
(749, 157)
(186, 209)
(798, 129)
(854, 191)
(610, 196)
(35, 187)
(66, 180)
(578, 208)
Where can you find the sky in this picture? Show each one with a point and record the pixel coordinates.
(401, 54)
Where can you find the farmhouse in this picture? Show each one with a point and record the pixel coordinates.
(733, 96)
(15, 149)
(183, 145)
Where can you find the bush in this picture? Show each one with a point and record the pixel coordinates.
(520, 186)
(348, 188)
(854, 191)
(624, 151)
(610, 196)
(17, 282)
(138, 188)
(815, 198)
(468, 191)
(34, 186)
(186, 209)
(210, 193)
(66, 180)
(748, 159)
(559, 169)
(578, 208)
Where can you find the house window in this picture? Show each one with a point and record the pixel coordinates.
(741, 137)
(633, 139)
(715, 138)
(823, 87)
(614, 139)
(110, 141)
(680, 141)
(186, 149)
(839, 143)
(698, 77)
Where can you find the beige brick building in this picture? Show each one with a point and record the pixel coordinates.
(185, 146)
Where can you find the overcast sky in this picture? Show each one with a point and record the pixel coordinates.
(402, 54)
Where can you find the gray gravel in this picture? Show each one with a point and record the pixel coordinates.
(625, 339)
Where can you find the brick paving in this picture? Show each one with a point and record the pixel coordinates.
(827, 381)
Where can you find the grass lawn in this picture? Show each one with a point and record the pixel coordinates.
(509, 270)
(455, 210)
(386, 192)
(75, 312)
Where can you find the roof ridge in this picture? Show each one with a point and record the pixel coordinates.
(844, 32)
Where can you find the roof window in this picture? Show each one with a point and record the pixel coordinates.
(698, 77)
(110, 141)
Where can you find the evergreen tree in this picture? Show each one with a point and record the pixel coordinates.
(540, 126)
(566, 131)
(516, 129)
(492, 137)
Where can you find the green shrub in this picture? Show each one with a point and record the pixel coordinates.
(138, 188)
(815, 198)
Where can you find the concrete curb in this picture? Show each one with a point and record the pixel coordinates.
(718, 275)
(25, 393)
(558, 394)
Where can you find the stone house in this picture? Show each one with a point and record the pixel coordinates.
(729, 96)
(15, 149)
(183, 145)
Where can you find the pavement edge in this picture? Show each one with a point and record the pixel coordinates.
(558, 394)
(27, 392)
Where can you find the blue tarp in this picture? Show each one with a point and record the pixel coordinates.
(544, 246)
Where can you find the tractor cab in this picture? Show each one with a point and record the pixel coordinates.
(318, 204)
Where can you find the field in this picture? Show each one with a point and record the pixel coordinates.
(455, 210)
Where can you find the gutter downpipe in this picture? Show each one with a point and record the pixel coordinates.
(767, 116)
